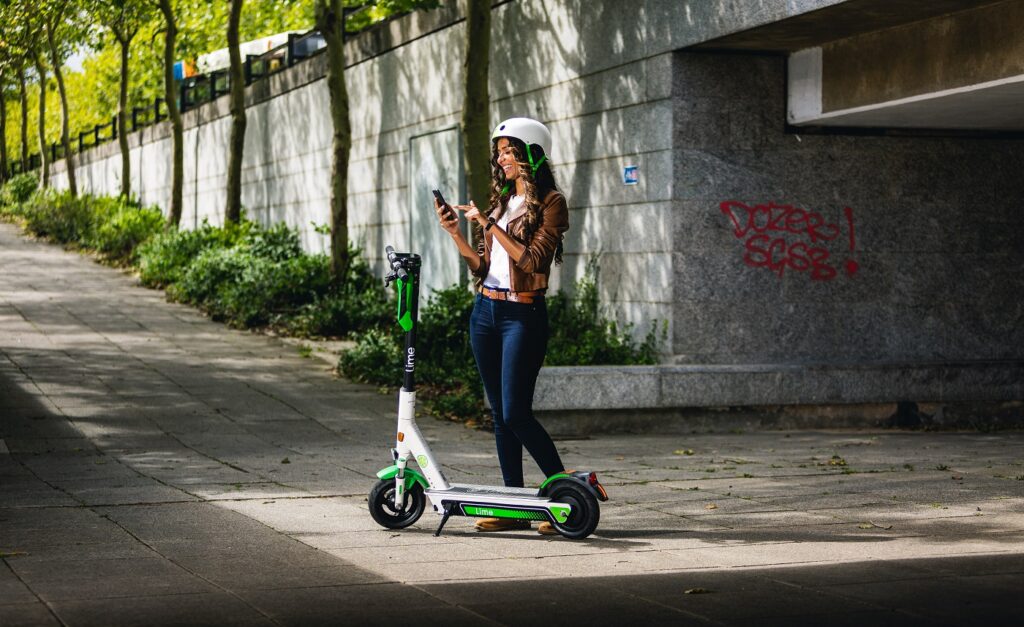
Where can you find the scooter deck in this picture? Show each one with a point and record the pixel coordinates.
(466, 488)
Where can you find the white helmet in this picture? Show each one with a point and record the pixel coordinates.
(526, 130)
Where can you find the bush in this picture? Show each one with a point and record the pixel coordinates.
(445, 366)
(121, 227)
(164, 259)
(581, 336)
(375, 359)
(59, 216)
(16, 191)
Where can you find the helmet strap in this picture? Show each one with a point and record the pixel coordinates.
(533, 168)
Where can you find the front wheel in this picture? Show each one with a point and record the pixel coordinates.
(382, 505)
(585, 512)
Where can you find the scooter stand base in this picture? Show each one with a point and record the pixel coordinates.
(447, 514)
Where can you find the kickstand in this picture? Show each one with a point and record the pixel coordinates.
(447, 513)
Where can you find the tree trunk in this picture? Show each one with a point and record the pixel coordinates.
(65, 134)
(44, 157)
(236, 145)
(24, 119)
(476, 127)
(329, 19)
(122, 117)
(178, 168)
(3, 138)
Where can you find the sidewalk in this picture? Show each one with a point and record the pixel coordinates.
(157, 468)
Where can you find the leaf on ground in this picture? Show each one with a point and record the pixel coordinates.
(286, 461)
(683, 451)
(697, 591)
(871, 525)
(711, 506)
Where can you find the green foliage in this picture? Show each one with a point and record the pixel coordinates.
(16, 191)
(113, 227)
(446, 369)
(164, 258)
(59, 216)
(122, 228)
(250, 276)
(277, 243)
(581, 335)
(359, 302)
(376, 358)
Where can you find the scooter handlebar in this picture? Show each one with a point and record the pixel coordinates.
(396, 263)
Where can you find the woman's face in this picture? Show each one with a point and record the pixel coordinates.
(507, 160)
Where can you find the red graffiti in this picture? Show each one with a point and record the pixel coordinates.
(780, 237)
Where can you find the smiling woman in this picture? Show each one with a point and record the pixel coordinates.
(521, 237)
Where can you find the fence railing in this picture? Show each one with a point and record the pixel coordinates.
(192, 92)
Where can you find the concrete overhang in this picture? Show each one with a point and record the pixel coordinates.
(940, 64)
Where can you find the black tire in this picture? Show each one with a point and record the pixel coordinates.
(382, 505)
(586, 513)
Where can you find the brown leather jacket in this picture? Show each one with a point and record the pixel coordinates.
(533, 268)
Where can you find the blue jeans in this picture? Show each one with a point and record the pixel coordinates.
(509, 342)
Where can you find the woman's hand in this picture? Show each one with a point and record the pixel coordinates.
(472, 213)
(449, 219)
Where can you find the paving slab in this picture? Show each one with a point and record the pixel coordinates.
(159, 468)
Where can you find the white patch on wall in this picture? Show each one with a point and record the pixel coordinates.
(804, 96)
(435, 162)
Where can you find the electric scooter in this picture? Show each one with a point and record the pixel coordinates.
(568, 500)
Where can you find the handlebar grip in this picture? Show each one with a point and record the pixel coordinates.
(396, 264)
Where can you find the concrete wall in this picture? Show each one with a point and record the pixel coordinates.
(927, 268)
(585, 68)
(930, 274)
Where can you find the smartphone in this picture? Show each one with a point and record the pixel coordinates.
(449, 213)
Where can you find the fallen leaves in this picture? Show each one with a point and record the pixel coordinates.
(711, 506)
(871, 525)
(683, 451)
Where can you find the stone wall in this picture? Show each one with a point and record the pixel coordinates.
(918, 239)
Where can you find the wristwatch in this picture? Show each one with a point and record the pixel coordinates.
(490, 223)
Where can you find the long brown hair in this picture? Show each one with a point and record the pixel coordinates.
(537, 186)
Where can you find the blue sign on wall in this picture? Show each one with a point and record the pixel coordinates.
(631, 174)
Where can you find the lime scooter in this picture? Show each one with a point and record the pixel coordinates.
(568, 500)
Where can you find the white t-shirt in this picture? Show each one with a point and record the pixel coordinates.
(499, 274)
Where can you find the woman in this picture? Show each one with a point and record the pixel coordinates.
(522, 235)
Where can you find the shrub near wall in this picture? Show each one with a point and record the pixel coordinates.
(250, 276)
(580, 335)
(112, 227)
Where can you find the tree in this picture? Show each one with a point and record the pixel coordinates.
(44, 157)
(124, 19)
(233, 209)
(476, 101)
(62, 30)
(18, 41)
(3, 127)
(178, 159)
(330, 21)
(23, 100)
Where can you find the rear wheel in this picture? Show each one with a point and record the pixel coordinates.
(585, 512)
(382, 505)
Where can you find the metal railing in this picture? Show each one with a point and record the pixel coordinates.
(192, 92)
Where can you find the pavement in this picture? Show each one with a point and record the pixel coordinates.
(158, 468)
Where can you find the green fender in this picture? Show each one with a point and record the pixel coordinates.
(411, 476)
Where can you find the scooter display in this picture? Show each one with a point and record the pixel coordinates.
(568, 500)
